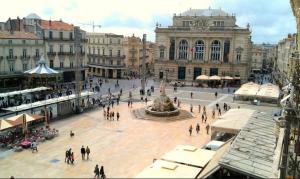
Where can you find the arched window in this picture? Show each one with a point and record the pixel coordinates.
(183, 49)
(199, 50)
(215, 50)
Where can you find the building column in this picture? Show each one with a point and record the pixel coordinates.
(207, 49)
(222, 50)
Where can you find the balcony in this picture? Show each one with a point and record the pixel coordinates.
(51, 53)
(65, 53)
(24, 57)
(11, 57)
(105, 65)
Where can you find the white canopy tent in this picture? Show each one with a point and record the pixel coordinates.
(232, 121)
(24, 107)
(23, 91)
(42, 68)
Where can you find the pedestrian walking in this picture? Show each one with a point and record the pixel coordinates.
(113, 115)
(199, 108)
(146, 100)
(72, 158)
(102, 172)
(82, 152)
(191, 130)
(198, 128)
(213, 113)
(207, 128)
(67, 156)
(216, 94)
(191, 94)
(204, 109)
(128, 103)
(205, 119)
(97, 171)
(118, 116)
(88, 151)
(202, 117)
(191, 108)
(220, 112)
(131, 103)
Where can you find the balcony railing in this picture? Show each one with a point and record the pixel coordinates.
(66, 53)
(24, 57)
(107, 56)
(11, 57)
(108, 65)
(51, 53)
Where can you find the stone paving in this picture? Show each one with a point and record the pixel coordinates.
(123, 147)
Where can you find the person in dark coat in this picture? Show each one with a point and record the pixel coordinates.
(198, 128)
(82, 152)
(97, 171)
(102, 172)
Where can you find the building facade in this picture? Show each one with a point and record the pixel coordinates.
(19, 51)
(133, 49)
(202, 41)
(59, 41)
(106, 55)
(263, 56)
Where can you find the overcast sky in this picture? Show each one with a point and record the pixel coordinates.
(270, 20)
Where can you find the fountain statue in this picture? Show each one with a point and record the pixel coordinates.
(162, 105)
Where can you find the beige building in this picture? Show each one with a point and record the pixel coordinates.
(257, 59)
(19, 51)
(60, 50)
(202, 41)
(263, 56)
(105, 55)
(133, 49)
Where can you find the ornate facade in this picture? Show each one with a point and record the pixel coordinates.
(202, 41)
(133, 49)
(105, 55)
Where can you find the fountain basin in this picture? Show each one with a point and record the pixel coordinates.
(148, 110)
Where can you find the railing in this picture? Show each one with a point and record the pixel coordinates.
(11, 57)
(107, 56)
(107, 65)
(24, 57)
(51, 53)
(66, 53)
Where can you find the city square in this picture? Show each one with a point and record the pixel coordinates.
(142, 89)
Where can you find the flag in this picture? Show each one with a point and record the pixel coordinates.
(193, 49)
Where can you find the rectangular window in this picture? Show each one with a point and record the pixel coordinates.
(71, 49)
(119, 53)
(103, 51)
(51, 48)
(61, 64)
(89, 50)
(24, 66)
(98, 51)
(37, 53)
(50, 35)
(71, 64)
(61, 48)
(110, 40)
(110, 53)
(161, 53)
(11, 67)
(9, 42)
(61, 35)
(238, 56)
(51, 64)
(24, 53)
(111, 62)
(118, 62)
(11, 53)
(71, 36)
(93, 50)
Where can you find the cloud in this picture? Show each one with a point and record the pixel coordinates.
(268, 22)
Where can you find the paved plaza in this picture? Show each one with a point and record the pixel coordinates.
(123, 147)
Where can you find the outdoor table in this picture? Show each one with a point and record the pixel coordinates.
(25, 144)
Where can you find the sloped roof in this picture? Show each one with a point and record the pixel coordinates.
(56, 25)
(253, 150)
(204, 12)
(17, 35)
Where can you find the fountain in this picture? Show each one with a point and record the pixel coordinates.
(162, 106)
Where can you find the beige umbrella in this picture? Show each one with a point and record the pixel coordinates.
(215, 77)
(4, 124)
(227, 78)
(202, 77)
(23, 119)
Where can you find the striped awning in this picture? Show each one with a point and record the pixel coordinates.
(42, 68)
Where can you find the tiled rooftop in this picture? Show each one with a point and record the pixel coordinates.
(56, 25)
(17, 35)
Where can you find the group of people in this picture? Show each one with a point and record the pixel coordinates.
(84, 151)
(198, 129)
(110, 115)
(99, 173)
(69, 158)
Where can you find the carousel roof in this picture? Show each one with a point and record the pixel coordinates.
(42, 68)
